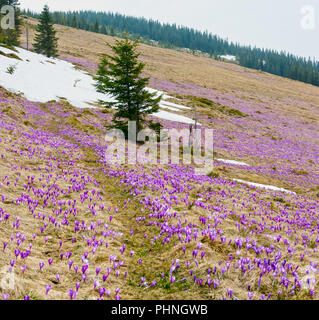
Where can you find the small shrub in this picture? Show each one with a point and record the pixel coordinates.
(11, 69)
(213, 175)
(300, 172)
(281, 200)
(203, 102)
(236, 113)
(156, 126)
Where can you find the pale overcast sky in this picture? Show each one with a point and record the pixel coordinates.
(275, 24)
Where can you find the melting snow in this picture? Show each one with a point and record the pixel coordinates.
(239, 163)
(42, 79)
(258, 185)
(174, 105)
(228, 57)
(173, 117)
(163, 106)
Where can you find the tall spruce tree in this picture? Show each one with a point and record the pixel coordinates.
(96, 27)
(11, 36)
(45, 40)
(120, 76)
(103, 29)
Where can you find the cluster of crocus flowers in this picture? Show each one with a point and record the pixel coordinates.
(56, 192)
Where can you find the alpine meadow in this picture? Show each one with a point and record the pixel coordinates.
(87, 98)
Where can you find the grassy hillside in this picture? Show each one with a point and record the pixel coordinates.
(276, 106)
(165, 232)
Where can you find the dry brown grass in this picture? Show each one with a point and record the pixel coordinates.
(156, 256)
(279, 95)
(178, 66)
(167, 65)
(32, 282)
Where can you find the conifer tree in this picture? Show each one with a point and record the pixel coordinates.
(172, 36)
(120, 76)
(103, 29)
(96, 27)
(11, 36)
(45, 40)
(74, 21)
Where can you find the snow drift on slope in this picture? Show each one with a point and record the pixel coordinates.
(264, 186)
(44, 79)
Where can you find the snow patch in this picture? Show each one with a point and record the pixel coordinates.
(163, 106)
(263, 186)
(44, 79)
(228, 57)
(238, 163)
(174, 105)
(173, 117)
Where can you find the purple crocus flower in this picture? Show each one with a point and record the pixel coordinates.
(16, 253)
(84, 268)
(71, 294)
(47, 289)
(101, 291)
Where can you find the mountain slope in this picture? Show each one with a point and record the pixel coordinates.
(153, 32)
(266, 139)
(29, 76)
(164, 232)
(137, 233)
